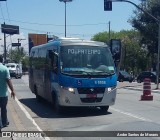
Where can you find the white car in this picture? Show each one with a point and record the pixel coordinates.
(15, 69)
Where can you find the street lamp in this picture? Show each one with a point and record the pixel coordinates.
(65, 1)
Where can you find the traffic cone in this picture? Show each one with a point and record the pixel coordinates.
(147, 90)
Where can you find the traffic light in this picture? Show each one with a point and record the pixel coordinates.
(107, 5)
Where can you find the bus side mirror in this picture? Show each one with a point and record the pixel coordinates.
(52, 54)
(115, 47)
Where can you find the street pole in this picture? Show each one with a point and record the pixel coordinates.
(5, 52)
(18, 45)
(109, 30)
(65, 2)
(157, 87)
(65, 18)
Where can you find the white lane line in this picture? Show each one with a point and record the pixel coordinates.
(131, 115)
(29, 116)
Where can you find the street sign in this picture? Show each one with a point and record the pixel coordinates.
(107, 5)
(9, 29)
(16, 44)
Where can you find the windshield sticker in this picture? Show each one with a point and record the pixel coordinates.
(72, 69)
(110, 68)
(83, 51)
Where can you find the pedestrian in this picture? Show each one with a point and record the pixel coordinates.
(4, 81)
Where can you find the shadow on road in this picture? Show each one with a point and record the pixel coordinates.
(44, 109)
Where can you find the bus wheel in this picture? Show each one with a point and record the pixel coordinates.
(55, 102)
(104, 108)
(38, 98)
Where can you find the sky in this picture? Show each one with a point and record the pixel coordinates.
(84, 18)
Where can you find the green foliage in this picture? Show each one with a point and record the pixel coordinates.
(133, 56)
(19, 55)
(146, 25)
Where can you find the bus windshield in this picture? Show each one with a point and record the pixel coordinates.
(82, 60)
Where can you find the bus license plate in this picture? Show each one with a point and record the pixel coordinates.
(91, 96)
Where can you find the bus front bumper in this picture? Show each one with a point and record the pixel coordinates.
(73, 98)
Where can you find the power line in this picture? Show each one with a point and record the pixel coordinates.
(49, 24)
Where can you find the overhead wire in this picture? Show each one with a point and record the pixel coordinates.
(50, 24)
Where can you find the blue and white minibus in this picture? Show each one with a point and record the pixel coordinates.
(70, 72)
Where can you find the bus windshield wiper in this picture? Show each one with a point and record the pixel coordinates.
(104, 73)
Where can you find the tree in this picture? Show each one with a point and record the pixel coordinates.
(16, 55)
(133, 56)
(19, 56)
(147, 26)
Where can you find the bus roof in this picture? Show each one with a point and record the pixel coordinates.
(69, 40)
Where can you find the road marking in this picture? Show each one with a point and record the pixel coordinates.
(29, 116)
(16, 118)
(131, 115)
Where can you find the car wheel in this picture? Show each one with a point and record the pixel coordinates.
(138, 81)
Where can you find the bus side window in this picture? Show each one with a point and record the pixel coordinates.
(55, 63)
(54, 60)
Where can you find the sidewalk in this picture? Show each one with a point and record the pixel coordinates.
(19, 123)
(140, 87)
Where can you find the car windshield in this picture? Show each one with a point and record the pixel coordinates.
(154, 73)
(10, 66)
(124, 73)
(83, 60)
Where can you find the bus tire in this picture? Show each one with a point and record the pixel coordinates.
(104, 108)
(55, 102)
(38, 98)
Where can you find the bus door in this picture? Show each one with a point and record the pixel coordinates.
(50, 73)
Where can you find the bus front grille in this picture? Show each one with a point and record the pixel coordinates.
(91, 90)
(91, 100)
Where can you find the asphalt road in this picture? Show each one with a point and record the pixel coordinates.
(128, 114)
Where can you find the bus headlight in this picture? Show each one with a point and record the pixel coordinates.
(69, 89)
(111, 88)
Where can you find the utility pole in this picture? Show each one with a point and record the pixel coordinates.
(65, 2)
(5, 52)
(109, 30)
(19, 44)
(158, 73)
